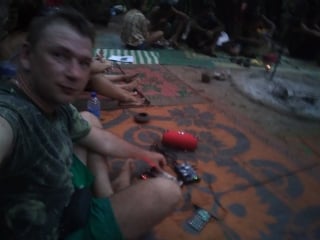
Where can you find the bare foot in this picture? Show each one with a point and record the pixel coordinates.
(124, 178)
(132, 100)
(131, 86)
(130, 77)
(100, 65)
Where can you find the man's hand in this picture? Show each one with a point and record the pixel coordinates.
(155, 159)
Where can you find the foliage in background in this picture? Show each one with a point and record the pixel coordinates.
(97, 11)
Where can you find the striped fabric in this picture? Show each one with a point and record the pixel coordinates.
(139, 56)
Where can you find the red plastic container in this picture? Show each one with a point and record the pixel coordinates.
(180, 139)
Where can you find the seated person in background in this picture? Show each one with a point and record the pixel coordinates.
(313, 32)
(205, 29)
(54, 180)
(302, 37)
(254, 39)
(135, 32)
(168, 19)
(257, 37)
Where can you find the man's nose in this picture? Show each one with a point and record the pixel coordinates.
(74, 70)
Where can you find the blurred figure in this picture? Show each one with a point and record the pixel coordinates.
(205, 28)
(254, 39)
(135, 32)
(301, 34)
(165, 17)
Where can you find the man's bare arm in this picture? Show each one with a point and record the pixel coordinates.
(6, 139)
(108, 144)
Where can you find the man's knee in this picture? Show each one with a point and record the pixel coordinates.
(168, 191)
(92, 119)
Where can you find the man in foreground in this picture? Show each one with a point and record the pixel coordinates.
(52, 158)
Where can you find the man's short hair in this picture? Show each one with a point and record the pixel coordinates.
(67, 16)
(167, 4)
(137, 3)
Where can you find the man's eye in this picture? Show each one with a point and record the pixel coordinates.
(60, 56)
(85, 64)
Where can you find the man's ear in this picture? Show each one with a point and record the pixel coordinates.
(25, 56)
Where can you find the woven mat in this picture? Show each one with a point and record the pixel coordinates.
(254, 184)
(161, 87)
(157, 85)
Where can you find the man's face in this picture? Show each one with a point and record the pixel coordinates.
(60, 64)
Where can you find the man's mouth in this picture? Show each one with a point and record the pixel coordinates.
(69, 90)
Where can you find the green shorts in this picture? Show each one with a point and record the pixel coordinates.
(101, 223)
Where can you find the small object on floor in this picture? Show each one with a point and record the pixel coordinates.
(180, 139)
(199, 219)
(205, 77)
(220, 76)
(247, 63)
(142, 117)
(186, 173)
(267, 67)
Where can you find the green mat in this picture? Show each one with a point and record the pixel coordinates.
(164, 57)
(139, 56)
(185, 58)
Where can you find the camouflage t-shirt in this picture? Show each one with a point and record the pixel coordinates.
(35, 181)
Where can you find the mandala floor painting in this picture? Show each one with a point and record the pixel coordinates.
(254, 188)
(258, 183)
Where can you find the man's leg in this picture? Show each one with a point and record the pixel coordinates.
(143, 205)
(98, 166)
(139, 207)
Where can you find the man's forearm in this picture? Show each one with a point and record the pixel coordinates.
(109, 144)
(118, 147)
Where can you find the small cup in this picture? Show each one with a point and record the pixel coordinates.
(142, 117)
(205, 77)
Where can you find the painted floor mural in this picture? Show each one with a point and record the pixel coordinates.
(249, 182)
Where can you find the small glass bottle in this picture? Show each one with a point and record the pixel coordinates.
(93, 105)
